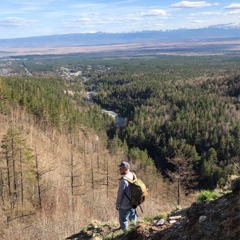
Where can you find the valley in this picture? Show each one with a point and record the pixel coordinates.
(90, 87)
(181, 134)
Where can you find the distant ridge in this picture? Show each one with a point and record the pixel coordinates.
(213, 33)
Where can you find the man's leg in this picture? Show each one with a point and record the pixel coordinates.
(123, 218)
(133, 215)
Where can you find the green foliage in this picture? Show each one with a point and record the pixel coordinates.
(160, 216)
(206, 196)
(47, 100)
(108, 236)
(147, 219)
(170, 102)
(140, 157)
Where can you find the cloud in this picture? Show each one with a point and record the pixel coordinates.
(206, 13)
(155, 12)
(198, 21)
(187, 4)
(14, 22)
(237, 11)
(233, 6)
(87, 20)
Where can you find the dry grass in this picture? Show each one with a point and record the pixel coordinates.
(62, 213)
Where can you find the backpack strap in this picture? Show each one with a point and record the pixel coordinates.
(134, 176)
(129, 180)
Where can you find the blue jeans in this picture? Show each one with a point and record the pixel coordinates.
(125, 215)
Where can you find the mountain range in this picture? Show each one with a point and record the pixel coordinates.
(212, 33)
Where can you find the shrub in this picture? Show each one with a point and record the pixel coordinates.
(206, 196)
(160, 216)
(147, 219)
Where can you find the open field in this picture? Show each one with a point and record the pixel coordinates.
(168, 48)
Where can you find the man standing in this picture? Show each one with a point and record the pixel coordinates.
(123, 205)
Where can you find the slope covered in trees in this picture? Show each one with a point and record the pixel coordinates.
(178, 108)
(55, 170)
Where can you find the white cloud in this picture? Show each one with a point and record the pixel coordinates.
(233, 6)
(198, 21)
(87, 20)
(11, 22)
(187, 4)
(206, 13)
(155, 12)
(237, 11)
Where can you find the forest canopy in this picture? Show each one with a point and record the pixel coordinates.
(181, 111)
(178, 103)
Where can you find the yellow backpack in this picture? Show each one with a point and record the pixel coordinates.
(139, 191)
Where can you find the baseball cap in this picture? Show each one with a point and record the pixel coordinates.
(124, 165)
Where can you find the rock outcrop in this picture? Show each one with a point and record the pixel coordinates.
(218, 219)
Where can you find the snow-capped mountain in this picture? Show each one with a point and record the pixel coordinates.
(224, 32)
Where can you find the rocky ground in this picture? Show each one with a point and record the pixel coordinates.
(216, 220)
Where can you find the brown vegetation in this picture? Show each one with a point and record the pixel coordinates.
(216, 220)
(75, 181)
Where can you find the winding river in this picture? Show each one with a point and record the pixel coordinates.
(119, 120)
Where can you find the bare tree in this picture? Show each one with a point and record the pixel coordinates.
(183, 175)
(16, 174)
(39, 173)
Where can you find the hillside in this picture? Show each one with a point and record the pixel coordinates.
(217, 220)
(55, 177)
(59, 151)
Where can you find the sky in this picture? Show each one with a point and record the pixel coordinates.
(26, 18)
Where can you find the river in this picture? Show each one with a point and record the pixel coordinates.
(119, 120)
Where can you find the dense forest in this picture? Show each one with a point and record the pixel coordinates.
(184, 111)
(181, 133)
(175, 107)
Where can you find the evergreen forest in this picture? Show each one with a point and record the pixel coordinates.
(59, 150)
(183, 111)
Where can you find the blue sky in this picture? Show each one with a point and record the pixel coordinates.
(24, 18)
